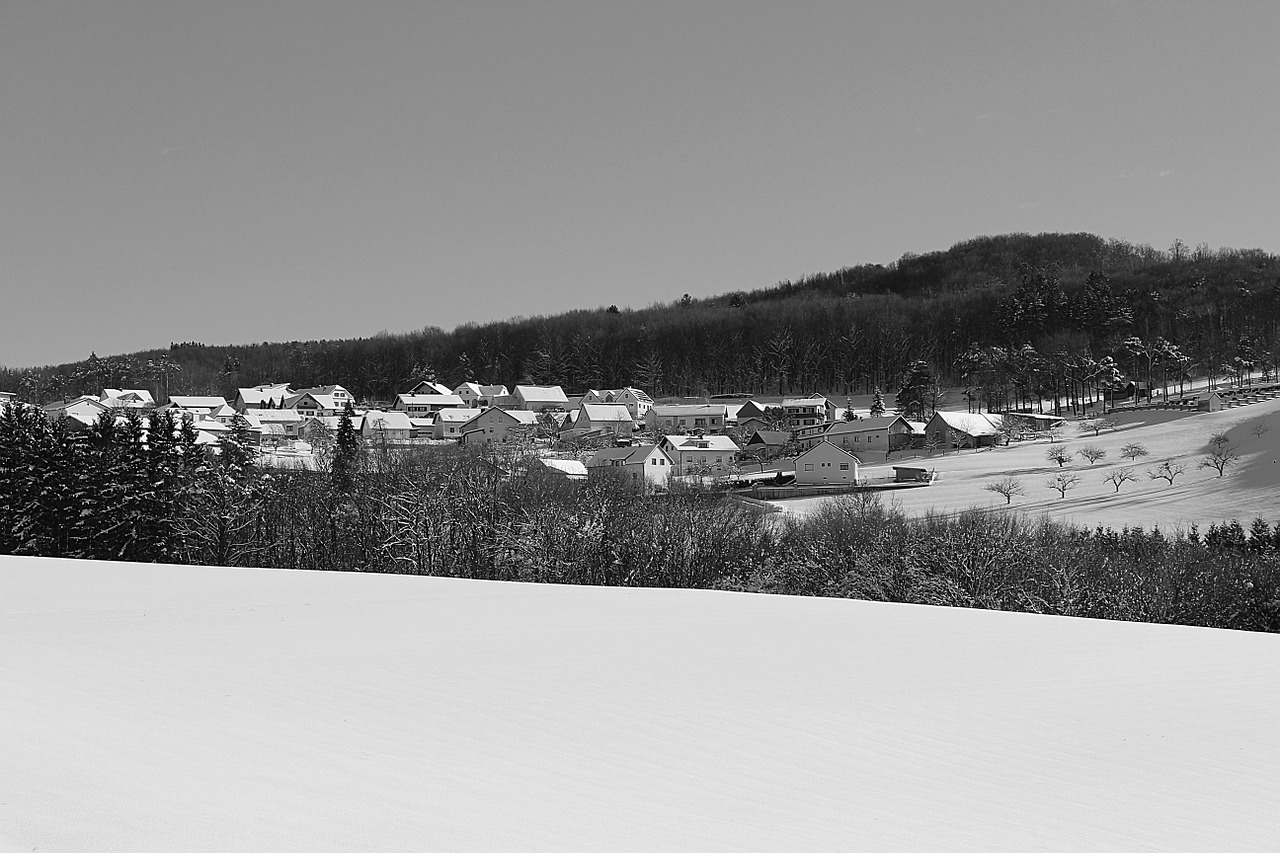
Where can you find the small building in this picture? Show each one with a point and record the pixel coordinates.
(611, 418)
(645, 463)
(269, 396)
(570, 469)
(1032, 423)
(711, 454)
(766, 443)
(391, 427)
(498, 426)
(962, 429)
(826, 464)
(477, 396)
(709, 418)
(1210, 402)
(452, 423)
(540, 398)
(419, 405)
(880, 434)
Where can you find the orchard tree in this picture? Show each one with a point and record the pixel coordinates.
(1063, 482)
(1092, 453)
(1133, 451)
(1006, 488)
(1059, 454)
(1119, 477)
(1167, 470)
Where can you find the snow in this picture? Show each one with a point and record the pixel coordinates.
(183, 708)
(1250, 488)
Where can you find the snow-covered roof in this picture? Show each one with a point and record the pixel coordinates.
(541, 394)
(571, 468)
(387, 420)
(696, 409)
(455, 416)
(439, 400)
(719, 443)
(971, 423)
(186, 401)
(637, 454)
(605, 412)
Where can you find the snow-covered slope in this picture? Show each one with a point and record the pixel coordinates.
(164, 708)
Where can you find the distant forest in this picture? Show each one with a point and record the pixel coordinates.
(1009, 318)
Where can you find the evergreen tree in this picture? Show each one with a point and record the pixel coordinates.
(345, 452)
(237, 453)
(877, 404)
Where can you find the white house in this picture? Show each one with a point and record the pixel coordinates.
(269, 396)
(387, 426)
(197, 405)
(963, 429)
(540, 398)
(417, 405)
(495, 425)
(645, 462)
(476, 396)
(826, 464)
(701, 453)
(708, 418)
(611, 418)
(451, 423)
(881, 434)
(807, 412)
(322, 401)
(82, 410)
(638, 403)
(426, 387)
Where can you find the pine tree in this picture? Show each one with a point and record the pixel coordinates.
(346, 450)
(877, 404)
(237, 453)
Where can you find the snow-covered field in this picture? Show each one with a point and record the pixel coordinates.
(188, 709)
(1249, 489)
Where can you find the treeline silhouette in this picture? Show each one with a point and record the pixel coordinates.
(1019, 315)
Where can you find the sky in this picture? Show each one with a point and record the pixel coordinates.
(234, 172)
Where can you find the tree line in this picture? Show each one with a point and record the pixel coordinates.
(123, 491)
(1010, 319)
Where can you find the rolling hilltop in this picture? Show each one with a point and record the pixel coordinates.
(1018, 314)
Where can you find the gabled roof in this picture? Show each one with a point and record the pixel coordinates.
(141, 395)
(715, 443)
(278, 416)
(448, 401)
(970, 423)
(864, 425)
(627, 455)
(825, 446)
(807, 402)
(696, 409)
(605, 412)
(526, 418)
(541, 394)
(184, 401)
(387, 420)
(571, 468)
(260, 394)
(456, 416)
(769, 438)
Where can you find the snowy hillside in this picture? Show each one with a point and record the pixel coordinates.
(161, 708)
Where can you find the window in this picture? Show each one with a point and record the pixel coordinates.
(844, 466)
(808, 466)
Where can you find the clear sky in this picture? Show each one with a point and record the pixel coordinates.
(235, 171)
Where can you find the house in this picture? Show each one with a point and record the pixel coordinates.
(766, 443)
(962, 429)
(811, 411)
(644, 463)
(270, 396)
(126, 398)
(638, 403)
(540, 398)
(322, 401)
(417, 405)
(476, 396)
(826, 464)
(84, 410)
(7, 399)
(1032, 423)
(451, 423)
(712, 454)
(611, 418)
(881, 434)
(570, 469)
(285, 423)
(709, 418)
(393, 427)
(497, 426)
(749, 426)
(750, 409)
(196, 405)
(426, 387)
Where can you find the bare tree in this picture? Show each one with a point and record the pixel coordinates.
(1062, 483)
(1133, 451)
(1096, 425)
(1006, 487)
(1119, 477)
(1260, 428)
(1219, 440)
(1219, 459)
(1092, 453)
(1059, 454)
(1167, 470)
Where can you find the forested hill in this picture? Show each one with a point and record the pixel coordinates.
(1036, 309)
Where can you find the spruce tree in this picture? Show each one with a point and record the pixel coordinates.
(877, 404)
(345, 452)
